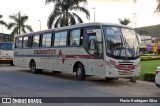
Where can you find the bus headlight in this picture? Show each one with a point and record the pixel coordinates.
(110, 64)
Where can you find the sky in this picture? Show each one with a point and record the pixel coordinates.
(105, 11)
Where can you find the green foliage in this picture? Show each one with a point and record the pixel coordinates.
(145, 58)
(63, 13)
(149, 77)
(125, 21)
(148, 67)
(18, 25)
(2, 22)
(158, 7)
(148, 58)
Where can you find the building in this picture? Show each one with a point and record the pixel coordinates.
(148, 35)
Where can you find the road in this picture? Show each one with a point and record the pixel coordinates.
(20, 82)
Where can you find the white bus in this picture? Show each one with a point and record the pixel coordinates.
(100, 49)
(6, 53)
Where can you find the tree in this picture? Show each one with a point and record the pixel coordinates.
(126, 21)
(63, 13)
(158, 7)
(2, 22)
(18, 25)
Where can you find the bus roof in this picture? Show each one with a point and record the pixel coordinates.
(74, 26)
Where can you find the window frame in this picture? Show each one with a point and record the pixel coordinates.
(27, 42)
(21, 42)
(51, 37)
(59, 38)
(33, 46)
(71, 38)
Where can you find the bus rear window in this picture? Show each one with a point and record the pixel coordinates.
(6, 46)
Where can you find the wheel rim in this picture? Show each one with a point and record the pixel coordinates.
(79, 71)
(33, 67)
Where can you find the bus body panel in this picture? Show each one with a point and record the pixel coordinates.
(122, 68)
(6, 52)
(54, 62)
(59, 58)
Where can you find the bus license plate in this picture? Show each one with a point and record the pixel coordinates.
(126, 71)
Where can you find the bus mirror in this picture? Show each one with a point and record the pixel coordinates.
(139, 38)
(98, 35)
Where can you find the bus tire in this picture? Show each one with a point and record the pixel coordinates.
(11, 63)
(33, 68)
(80, 72)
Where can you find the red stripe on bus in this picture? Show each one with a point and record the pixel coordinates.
(81, 56)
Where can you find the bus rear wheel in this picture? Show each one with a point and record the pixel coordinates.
(33, 68)
(80, 72)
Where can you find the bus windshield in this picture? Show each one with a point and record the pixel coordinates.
(121, 42)
(6, 46)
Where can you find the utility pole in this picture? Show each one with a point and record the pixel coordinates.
(39, 24)
(134, 14)
(94, 13)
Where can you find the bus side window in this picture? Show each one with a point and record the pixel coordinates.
(92, 44)
(46, 40)
(35, 42)
(60, 38)
(25, 42)
(75, 37)
(18, 42)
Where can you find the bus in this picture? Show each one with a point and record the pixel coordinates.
(6, 53)
(101, 49)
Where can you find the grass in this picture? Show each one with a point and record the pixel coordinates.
(148, 66)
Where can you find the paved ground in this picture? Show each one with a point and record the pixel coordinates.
(20, 82)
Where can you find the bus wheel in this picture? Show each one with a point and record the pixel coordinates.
(11, 63)
(33, 67)
(80, 72)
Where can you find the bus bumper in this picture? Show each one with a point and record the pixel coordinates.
(115, 73)
(6, 61)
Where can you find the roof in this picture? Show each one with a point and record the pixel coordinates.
(75, 26)
(153, 30)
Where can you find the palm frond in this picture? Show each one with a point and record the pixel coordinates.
(78, 18)
(15, 31)
(82, 9)
(51, 1)
(62, 16)
(11, 25)
(19, 23)
(1, 16)
(72, 20)
(28, 27)
(58, 22)
(53, 16)
(3, 23)
(158, 7)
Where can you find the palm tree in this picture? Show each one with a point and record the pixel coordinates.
(125, 21)
(158, 7)
(2, 22)
(18, 25)
(63, 13)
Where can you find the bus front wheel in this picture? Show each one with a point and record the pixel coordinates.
(80, 72)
